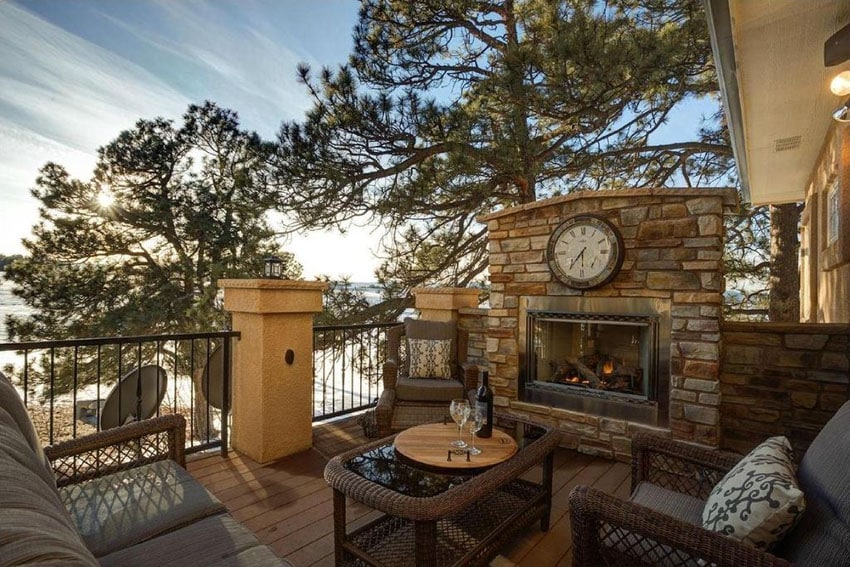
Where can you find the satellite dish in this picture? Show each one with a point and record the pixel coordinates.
(121, 404)
(836, 49)
(213, 378)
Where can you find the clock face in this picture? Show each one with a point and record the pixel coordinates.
(585, 252)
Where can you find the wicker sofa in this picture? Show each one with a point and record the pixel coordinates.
(118, 497)
(661, 523)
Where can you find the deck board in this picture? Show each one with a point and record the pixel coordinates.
(290, 507)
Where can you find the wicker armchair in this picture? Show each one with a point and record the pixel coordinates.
(407, 401)
(661, 524)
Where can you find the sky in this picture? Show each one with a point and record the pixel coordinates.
(75, 73)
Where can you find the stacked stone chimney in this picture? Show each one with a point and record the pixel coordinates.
(673, 252)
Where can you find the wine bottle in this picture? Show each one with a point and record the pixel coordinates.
(484, 402)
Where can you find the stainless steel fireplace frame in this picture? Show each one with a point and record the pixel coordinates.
(650, 311)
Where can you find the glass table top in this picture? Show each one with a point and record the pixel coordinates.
(383, 465)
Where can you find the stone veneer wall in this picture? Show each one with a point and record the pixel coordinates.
(673, 249)
(474, 321)
(781, 379)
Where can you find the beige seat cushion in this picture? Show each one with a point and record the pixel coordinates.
(34, 526)
(217, 540)
(125, 508)
(428, 390)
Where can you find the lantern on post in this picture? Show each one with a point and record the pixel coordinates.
(273, 268)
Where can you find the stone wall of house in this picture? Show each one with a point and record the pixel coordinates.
(673, 248)
(781, 379)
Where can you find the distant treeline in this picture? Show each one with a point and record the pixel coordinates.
(6, 260)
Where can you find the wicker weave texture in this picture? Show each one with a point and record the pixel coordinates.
(610, 531)
(460, 539)
(465, 525)
(118, 449)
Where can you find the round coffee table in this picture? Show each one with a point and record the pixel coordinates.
(430, 445)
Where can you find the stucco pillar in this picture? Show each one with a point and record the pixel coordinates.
(442, 303)
(272, 389)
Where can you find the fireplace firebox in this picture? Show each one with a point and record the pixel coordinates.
(606, 353)
(601, 362)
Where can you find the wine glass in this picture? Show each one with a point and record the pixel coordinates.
(459, 410)
(476, 422)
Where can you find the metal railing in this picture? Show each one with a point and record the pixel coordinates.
(71, 387)
(347, 364)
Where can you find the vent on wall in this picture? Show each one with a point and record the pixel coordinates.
(784, 144)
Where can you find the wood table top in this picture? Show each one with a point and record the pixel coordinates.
(430, 445)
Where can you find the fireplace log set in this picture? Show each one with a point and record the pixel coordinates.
(597, 372)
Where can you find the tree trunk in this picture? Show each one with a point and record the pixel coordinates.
(784, 272)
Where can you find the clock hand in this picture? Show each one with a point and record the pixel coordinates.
(580, 255)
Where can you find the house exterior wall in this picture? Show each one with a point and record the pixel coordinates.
(824, 250)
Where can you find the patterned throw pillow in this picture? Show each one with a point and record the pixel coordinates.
(759, 500)
(430, 358)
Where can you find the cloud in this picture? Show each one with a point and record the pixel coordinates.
(239, 60)
(60, 99)
(80, 94)
(62, 96)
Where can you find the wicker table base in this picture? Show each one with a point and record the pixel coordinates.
(465, 524)
(472, 537)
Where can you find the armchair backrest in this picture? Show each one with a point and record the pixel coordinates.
(422, 329)
(823, 535)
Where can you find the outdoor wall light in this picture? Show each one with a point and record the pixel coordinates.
(842, 113)
(273, 268)
(836, 50)
(840, 86)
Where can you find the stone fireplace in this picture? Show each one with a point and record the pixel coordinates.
(638, 351)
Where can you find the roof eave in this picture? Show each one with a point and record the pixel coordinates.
(723, 49)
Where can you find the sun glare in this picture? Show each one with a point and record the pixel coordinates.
(105, 198)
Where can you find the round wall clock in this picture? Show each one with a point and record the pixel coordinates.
(585, 251)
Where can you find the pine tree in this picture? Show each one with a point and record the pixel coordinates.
(138, 249)
(450, 108)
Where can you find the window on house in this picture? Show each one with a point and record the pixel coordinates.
(832, 217)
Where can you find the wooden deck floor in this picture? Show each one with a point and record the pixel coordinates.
(289, 505)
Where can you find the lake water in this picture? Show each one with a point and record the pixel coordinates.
(9, 305)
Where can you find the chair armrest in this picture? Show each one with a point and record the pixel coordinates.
(126, 447)
(384, 412)
(609, 531)
(390, 374)
(678, 466)
(469, 372)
